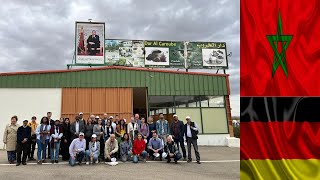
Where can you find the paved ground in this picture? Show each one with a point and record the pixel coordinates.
(217, 163)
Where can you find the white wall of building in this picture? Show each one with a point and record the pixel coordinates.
(213, 139)
(28, 102)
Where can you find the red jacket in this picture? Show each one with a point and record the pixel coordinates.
(138, 146)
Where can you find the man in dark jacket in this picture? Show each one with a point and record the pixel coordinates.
(171, 151)
(177, 130)
(93, 43)
(23, 140)
(76, 127)
(191, 132)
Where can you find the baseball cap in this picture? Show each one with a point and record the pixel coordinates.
(175, 115)
(188, 117)
(94, 136)
(97, 117)
(81, 134)
(25, 120)
(111, 117)
(80, 113)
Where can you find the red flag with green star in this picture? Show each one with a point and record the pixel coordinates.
(280, 48)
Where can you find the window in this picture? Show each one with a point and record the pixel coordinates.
(216, 101)
(187, 101)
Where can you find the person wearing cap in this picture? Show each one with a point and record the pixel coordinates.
(177, 132)
(33, 125)
(162, 128)
(191, 134)
(77, 150)
(92, 154)
(139, 146)
(56, 133)
(98, 130)
(96, 119)
(23, 139)
(43, 136)
(155, 146)
(81, 117)
(171, 151)
(104, 119)
(111, 148)
(77, 127)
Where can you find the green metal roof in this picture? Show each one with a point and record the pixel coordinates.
(158, 82)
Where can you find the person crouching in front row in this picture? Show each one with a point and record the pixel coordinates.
(171, 151)
(92, 154)
(76, 150)
(111, 148)
(155, 146)
(139, 147)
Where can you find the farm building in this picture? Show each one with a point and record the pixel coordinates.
(123, 91)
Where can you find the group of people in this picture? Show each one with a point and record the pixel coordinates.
(100, 139)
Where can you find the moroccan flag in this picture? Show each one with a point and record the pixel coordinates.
(280, 138)
(280, 47)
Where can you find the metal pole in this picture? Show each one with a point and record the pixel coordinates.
(185, 55)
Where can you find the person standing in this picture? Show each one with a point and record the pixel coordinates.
(81, 118)
(77, 150)
(51, 123)
(56, 134)
(104, 119)
(65, 140)
(111, 148)
(92, 154)
(177, 130)
(113, 123)
(43, 134)
(23, 139)
(108, 130)
(132, 129)
(33, 125)
(10, 139)
(171, 151)
(125, 148)
(144, 128)
(155, 146)
(88, 131)
(139, 149)
(122, 128)
(77, 127)
(137, 119)
(191, 133)
(98, 130)
(61, 121)
(152, 127)
(162, 128)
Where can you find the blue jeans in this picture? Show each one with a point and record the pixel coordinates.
(42, 148)
(79, 158)
(95, 156)
(54, 152)
(126, 157)
(175, 157)
(11, 155)
(143, 154)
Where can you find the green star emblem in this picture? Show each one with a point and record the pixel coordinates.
(279, 58)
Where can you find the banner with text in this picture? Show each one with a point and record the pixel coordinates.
(206, 55)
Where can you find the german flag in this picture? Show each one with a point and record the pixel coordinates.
(280, 138)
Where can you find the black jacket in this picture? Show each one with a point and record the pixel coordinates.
(180, 132)
(23, 133)
(193, 132)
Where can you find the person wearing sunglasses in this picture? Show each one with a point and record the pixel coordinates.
(92, 154)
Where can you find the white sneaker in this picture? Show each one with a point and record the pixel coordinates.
(87, 163)
(97, 162)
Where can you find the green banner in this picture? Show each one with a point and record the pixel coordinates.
(206, 55)
(164, 54)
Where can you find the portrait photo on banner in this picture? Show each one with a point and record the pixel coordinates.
(89, 42)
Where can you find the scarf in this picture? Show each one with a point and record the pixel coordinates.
(43, 137)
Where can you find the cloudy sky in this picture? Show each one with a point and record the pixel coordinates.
(39, 35)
